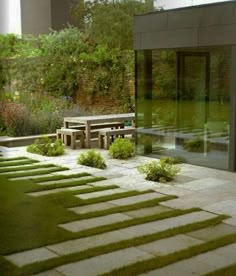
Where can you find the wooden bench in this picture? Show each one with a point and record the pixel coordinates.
(105, 135)
(99, 126)
(68, 136)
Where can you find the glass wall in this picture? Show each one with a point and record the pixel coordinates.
(182, 104)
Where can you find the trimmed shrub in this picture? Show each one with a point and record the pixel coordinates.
(196, 145)
(122, 148)
(172, 160)
(91, 159)
(159, 171)
(45, 146)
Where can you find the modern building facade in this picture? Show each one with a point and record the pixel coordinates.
(186, 84)
(34, 16)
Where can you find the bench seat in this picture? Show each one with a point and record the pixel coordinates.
(69, 136)
(105, 136)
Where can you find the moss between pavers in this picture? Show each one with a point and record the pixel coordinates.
(161, 261)
(25, 168)
(58, 177)
(52, 263)
(34, 173)
(16, 163)
(226, 271)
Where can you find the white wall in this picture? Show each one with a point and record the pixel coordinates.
(10, 16)
(172, 4)
(4, 16)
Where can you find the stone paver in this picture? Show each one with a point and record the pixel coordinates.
(200, 264)
(204, 183)
(61, 181)
(101, 193)
(82, 244)
(213, 232)
(165, 224)
(231, 221)
(135, 199)
(85, 224)
(92, 208)
(227, 207)
(147, 211)
(104, 263)
(169, 245)
(49, 273)
(31, 256)
(58, 190)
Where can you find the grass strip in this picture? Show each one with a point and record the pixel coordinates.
(161, 261)
(33, 173)
(96, 251)
(17, 163)
(59, 177)
(126, 208)
(13, 158)
(25, 168)
(134, 222)
(66, 184)
(225, 271)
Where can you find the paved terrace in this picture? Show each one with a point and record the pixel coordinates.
(214, 191)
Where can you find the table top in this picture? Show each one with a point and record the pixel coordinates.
(100, 118)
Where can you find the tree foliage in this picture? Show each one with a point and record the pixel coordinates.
(111, 22)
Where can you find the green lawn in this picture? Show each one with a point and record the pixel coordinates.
(31, 222)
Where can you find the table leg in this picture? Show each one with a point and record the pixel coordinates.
(88, 135)
(66, 124)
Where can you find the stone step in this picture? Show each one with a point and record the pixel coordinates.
(81, 244)
(53, 182)
(101, 193)
(104, 263)
(107, 262)
(200, 264)
(80, 225)
(58, 190)
(117, 202)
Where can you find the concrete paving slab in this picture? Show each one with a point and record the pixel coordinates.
(104, 263)
(31, 256)
(147, 211)
(169, 245)
(136, 199)
(101, 193)
(58, 190)
(183, 268)
(165, 224)
(80, 225)
(227, 207)
(49, 273)
(231, 221)
(61, 181)
(203, 183)
(82, 244)
(79, 245)
(213, 232)
(92, 208)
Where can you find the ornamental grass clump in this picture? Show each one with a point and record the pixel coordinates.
(45, 146)
(91, 159)
(122, 148)
(159, 171)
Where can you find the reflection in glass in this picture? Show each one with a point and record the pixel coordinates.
(182, 104)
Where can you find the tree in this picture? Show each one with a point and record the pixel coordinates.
(111, 23)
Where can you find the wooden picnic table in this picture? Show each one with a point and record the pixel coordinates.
(87, 121)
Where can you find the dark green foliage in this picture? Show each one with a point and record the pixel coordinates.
(197, 145)
(172, 160)
(122, 148)
(45, 146)
(159, 171)
(91, 159)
